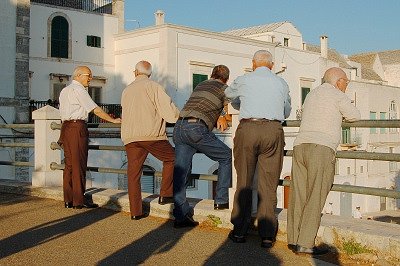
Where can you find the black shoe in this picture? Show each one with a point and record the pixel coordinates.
(187, 222)
(292, 247)
(267, 242)
(87, 206)
(68, 205)
(165, 200)
(222, 206)
(235, 238)
(138, 217)
(311, 251)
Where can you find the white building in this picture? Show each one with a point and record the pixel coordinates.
(59, 38)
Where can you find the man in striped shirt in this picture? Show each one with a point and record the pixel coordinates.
(193, 132)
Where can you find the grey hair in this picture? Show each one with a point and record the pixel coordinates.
(143, 67)
(263, 56)
(332, 75)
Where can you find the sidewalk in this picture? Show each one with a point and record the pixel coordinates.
(382, 239)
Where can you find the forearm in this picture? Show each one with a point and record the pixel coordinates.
(103, 115)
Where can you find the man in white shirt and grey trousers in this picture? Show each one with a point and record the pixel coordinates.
(314, 157)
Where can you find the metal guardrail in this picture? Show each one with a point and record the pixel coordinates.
(394, 157)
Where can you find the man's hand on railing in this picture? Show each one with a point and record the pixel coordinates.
(117, 121)
(222, 124)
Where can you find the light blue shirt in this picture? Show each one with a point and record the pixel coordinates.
(262, 94)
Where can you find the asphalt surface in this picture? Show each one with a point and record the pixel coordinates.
(37, 231)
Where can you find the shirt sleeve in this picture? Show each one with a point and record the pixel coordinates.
(348, 110)
(233, 91)
(85, 100)
(164, 105)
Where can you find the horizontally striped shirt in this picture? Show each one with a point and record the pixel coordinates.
(206, 102)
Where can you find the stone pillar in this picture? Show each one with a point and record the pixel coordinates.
(235, 124)
(118, 9)
(21, 89)
(42, 175)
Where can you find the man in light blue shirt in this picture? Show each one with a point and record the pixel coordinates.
(264, 104)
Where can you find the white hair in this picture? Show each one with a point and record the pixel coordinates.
(143, 67)
(262, 56)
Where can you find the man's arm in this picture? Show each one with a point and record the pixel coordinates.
(103, 115)
(348, 110)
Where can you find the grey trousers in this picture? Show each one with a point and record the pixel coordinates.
(257, 143)
(313, 171)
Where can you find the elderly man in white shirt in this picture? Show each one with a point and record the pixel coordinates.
(314, 153)
(75, 106)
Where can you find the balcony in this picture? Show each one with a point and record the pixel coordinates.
(96, 6)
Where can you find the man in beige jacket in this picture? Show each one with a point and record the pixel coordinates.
(146, 108)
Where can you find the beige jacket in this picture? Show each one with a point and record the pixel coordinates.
(146, 108)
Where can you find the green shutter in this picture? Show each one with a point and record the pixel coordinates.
(304, 92)
(197, 78)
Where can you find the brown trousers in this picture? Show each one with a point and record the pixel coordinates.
(313, 171)
(74, 140)
(137, 153)
(257, 143)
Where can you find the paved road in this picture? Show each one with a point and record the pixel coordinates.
(36, 231)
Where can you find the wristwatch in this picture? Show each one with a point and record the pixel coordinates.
(223, 113)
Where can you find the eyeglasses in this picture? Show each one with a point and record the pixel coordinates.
(86, 74)
(345, 80)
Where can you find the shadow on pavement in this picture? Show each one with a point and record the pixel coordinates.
(51, 230)
(159, 240)
(249, 253)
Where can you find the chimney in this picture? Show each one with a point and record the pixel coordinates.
(159, 15)
(324, 46)
(118, 9)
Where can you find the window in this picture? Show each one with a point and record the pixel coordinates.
(57, 87)
(95, 93)
(372, 116)
(286, 42)
(382, 117)
(346, 135)
(197, 78)
(304, 92)
(393, 115)
(59, 37)
(348, 170)
(361, 169)
(93, 41)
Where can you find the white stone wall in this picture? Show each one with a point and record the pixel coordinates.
(100, 60)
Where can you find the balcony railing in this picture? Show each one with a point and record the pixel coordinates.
(97, 6)
(114, 110)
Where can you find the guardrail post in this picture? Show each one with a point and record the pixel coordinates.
(235, 123)
(42, 175)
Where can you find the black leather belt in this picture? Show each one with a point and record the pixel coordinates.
(258, 120)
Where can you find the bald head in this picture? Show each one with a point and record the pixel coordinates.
(262, 58)
(336, 77)
(143, 68)
(79, 70)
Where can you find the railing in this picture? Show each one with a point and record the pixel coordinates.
(114, 110)
(97, 6)
(392, 157)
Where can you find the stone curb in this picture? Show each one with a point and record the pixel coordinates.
(383, 239)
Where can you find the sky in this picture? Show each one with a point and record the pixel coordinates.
(352, 26)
